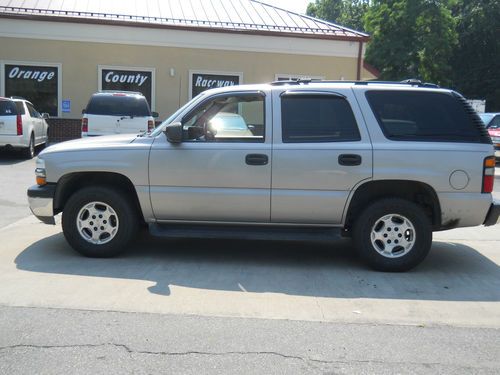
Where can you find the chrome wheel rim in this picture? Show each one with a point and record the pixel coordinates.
(97, 223)
(393, 236)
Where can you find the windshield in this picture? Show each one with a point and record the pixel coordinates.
(173, 116)
(486, 117)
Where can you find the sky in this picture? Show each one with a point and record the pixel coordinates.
(297, 6)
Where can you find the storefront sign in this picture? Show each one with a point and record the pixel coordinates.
(38, 84)
(127, 80)
(204, 81)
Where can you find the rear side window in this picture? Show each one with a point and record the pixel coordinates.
(426, 116)
(7, 108)
(118, 105)
(317, 118)
(20, 108)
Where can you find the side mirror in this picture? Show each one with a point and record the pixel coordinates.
(83, 111)
(45, 116)
(174, 132)
(155, 114)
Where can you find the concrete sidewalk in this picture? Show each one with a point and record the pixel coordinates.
(458, 284)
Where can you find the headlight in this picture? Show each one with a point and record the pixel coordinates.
(40, 172)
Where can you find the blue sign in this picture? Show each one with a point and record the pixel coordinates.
(66, 105)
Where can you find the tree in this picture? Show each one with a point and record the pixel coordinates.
(346, 13)
(411, 39)
(476, 60)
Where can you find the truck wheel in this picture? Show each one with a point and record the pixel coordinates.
(99, 222)
(393, 235)
(29, 152)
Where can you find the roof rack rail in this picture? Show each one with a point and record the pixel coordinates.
(18, 97)
(304, 81)
(292, 82)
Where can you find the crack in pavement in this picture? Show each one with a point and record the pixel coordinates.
(308, 361)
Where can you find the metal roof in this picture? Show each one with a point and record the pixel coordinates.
(244, 16)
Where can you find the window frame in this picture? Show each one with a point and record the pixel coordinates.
(310, 93)
(56, 65)
(228, 94)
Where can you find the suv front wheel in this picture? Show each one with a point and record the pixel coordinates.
(99, 222)
(393, 235)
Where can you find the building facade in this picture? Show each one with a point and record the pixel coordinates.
(57, 55)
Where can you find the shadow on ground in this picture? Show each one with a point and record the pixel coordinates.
(452, 272)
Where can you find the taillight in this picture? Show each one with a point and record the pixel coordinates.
(151, 125)
(19, 124)
(488, 174)
(85, 125)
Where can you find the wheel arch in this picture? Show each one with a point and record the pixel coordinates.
(72, 182)
(415, 191)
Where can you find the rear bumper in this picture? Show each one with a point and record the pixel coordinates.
(13, 141)
(40, 199)
(493, 216)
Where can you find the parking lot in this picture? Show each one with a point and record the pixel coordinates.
(256, 289)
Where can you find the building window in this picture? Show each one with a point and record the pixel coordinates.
(128, 79)
(40, 83)
(201, 80)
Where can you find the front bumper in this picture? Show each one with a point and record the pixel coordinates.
(40, 199)
(493, 216)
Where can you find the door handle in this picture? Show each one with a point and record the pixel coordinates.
(349, 159)
(256, 159)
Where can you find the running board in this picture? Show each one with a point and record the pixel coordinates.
(240, 232)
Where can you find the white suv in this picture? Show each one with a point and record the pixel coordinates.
(21, 126)
(117, 112)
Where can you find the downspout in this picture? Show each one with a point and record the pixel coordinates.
(360, 61)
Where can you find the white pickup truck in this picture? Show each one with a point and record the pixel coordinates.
(21, 126)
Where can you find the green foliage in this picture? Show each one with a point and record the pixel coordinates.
(346, 13)
(411, 39)
(454, 43)
(476, 60)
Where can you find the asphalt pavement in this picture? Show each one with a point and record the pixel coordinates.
(212, 306)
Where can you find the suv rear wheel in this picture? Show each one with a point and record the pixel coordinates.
(29, 152)
(99, 222)
(393, 235)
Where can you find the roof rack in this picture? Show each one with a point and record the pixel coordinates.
(18, 97)
(305, 81)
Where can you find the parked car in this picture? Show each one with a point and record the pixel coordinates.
(492, 122)
(385, 164)
(117, 112)
(21, 126)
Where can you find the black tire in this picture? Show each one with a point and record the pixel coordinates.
(126, 220)
(29, 152)
(372, 215)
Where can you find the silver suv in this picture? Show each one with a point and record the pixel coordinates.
(384, 163)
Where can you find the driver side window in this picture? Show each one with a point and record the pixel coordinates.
(227, 118)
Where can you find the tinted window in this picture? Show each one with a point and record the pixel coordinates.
(7, 108)
(423, 116)
(20, 108)
(32, 111)
(495, 123)
(118, 105)
(317, 118)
